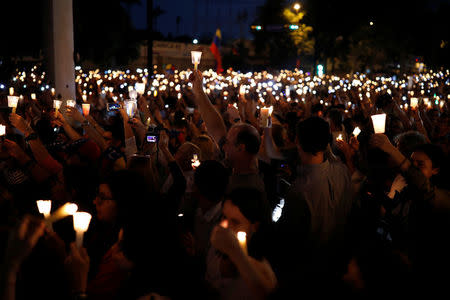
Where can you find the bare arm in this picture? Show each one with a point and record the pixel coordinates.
(213, 120)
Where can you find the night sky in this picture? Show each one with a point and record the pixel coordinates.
(210, 15)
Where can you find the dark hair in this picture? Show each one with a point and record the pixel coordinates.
(248, 136)
(211, 179)
(408, 141)
(434, 152)
(313, 134)
(316, 108)
(383, 100)
(251, 203)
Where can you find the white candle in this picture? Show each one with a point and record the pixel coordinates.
(140, 88)
(155, 93)
(33, 96)
(414, 102)
(339, 137)
(64, 211)
(242, 238)
(84, 97)
(86, 107)
(11, 91)
(71, 103)
(44, 207)
(242, 90)
(12, 102)
(2, 130)
(53, 91)
(132, 94)
(196, 56)
(56, 104)
(195, 162)
(379, 123)
(131, 107)
(81, 222)
(356, 131)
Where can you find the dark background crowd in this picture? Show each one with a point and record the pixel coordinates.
(327, 211)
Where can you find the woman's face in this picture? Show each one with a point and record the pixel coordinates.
(104, 204)
(423, 162)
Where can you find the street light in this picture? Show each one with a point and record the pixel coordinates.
(296, 6)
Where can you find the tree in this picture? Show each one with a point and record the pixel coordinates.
(276, 40)
(301, 36)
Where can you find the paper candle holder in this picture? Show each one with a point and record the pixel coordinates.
(130, 107)
(414, 102)
(2, 130)
(57, 104)
(71, 103)
(44, 207)
(81, 221)
(196, 57)
(132, 94)
(379, 123)
(86, 107)
(12, 102)
(356, 131)
(140, 88)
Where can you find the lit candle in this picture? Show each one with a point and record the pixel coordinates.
(339, 137)
(140, 88)
(53, 91)
(155, 93)
(242, 90)
(64, 211)
(195, 162)
(356, 131)
(2, 130)
(33, 96)
(12, 102)
(265, 114)
(379, 123)
(56, 105)
(242, 238)
(130, 106)
(84, 97)
(132, 94)
(414, 102)
(11, 91)
(441, 104)
(44, 207)
(196, 56)
(71, 103)
(179, 96)
(425, 101)
(86, 107)
(81, 222)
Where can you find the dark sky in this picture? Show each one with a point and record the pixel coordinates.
(209, 15)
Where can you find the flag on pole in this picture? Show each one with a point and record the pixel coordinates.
(215, 45)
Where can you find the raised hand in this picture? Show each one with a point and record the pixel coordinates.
(77, 265)
(382, 142)
(20, 123)
(74, 114)
(14, 150)
(224, 240)
(22, 240)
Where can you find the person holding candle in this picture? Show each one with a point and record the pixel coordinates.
(237, 274)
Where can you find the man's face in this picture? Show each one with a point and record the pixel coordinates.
(423, 162)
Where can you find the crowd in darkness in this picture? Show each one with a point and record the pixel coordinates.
(327, 210)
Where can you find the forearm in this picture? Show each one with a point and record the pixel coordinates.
(269, 145)
(261, 282)
(95, 136)
(94, 123)
(8, 285)
(213, 120)
(70, 132)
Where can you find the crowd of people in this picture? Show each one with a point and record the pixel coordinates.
(226, 186)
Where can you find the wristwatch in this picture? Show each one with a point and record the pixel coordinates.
(31, 136)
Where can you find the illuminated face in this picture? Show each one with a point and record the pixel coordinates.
(105, 206)
(235, 219)
(423, 162)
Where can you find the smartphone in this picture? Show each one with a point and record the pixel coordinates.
(113, 106)
(151, 138)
